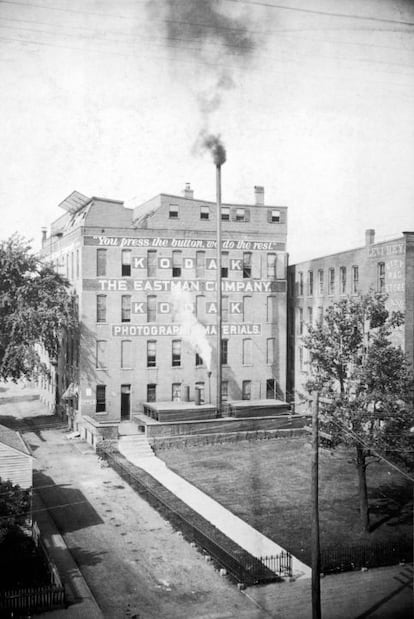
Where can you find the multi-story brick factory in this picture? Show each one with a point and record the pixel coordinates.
(146, 283)
(385, 266)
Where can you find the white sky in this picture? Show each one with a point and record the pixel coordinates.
(93, 97)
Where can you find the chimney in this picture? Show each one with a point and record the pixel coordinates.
(44, 236)
(259, 195)
(369, 236)
(188, 192)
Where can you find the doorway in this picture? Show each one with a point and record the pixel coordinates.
(125, 402)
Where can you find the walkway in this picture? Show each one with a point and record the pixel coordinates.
(236, 529)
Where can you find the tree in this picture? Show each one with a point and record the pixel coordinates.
(35, 308)
(14, 507)
(364, 381)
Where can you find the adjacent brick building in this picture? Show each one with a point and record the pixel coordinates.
(145, 279)
(386, 266)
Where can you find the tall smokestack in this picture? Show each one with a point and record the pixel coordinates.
(219, 300)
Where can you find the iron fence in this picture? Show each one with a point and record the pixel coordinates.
(244, 568)
(31, 599)
(346, 558)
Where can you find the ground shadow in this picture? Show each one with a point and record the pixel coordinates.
(67, 506)
(391, 504)
(36, 424)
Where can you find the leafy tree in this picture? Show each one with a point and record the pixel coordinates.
(35, 308)
(365, 381)
(14, 507)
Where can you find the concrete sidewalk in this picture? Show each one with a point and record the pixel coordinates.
(257, 544)
(81, 602)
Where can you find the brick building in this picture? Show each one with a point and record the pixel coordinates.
(145, 279)
(386, 266)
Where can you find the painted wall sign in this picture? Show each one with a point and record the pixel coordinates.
(178, 243)
(175, 329)
(187, 285)
(393, 249)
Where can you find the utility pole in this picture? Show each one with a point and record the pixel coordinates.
(316, 550)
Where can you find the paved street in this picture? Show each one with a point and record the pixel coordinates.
(135, 564)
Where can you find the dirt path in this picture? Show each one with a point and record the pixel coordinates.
(133, 561)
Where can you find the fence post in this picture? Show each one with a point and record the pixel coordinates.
(316, 551)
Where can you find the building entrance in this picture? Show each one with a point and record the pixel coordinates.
(125, 402)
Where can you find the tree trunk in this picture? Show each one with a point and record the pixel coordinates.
(362, 488)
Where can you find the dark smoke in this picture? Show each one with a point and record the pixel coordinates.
(216, 147)
(192, 21)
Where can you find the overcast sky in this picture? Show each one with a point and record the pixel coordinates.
(314, 99)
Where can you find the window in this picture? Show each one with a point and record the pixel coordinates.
(270, 350)
(320, 282)
(246, 389)
(77, 264)
(176, 392)
(101, 262)
(225, 213)
(247, 352)
(198, 360)
(342, 280)
(224, 352)
(101, 360)
(320, 313)
(225, 309)
(151, 354)
(381, 276)
(101, 308)
(270, 389)
(247, 304)
(152, 263)
(225, 264)
(310, 283)
(151, 392)
(271, 266)
(247, 265)
(273, 216)
(310, 316)
(224, 390)
(204, 212)
(300, 321)
(200, 264)
(271, 309)
(126, 308)
(151, 308)
(355, 279)
(126, 262)
(300, 283)
(72, 268)
(126, 354)
(240, 214)
(301, 358)
(177, 261)
(176, 353)
(173, 214)
(100, 398)
(331, 281)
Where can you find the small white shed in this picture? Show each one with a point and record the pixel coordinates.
(16, 460)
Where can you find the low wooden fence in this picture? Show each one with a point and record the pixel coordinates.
(21, 602)
(25, 600)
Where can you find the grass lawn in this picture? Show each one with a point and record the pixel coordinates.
(267, 483)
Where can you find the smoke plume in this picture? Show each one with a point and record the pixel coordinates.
(193, 331)
(214, 34)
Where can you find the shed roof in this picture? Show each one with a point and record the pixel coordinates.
(14, 440)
